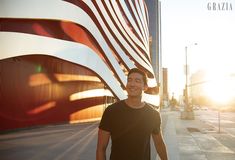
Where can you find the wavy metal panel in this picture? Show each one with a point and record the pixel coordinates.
(60, 60)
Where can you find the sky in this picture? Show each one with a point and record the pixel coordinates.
(186, 22)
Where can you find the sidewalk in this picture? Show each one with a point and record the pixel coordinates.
(195, 139)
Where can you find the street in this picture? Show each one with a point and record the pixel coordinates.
(202, 139)
(76, 141)
(227, 120)
(185, 139)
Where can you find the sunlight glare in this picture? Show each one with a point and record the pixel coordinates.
(89, 94)
(42, 108)
(152, 99)
(220, 90)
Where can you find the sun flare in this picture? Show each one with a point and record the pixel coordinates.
(220, 90)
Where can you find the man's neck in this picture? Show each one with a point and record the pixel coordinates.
(134, 102)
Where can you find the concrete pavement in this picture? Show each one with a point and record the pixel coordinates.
(197, 139)
(186, 140)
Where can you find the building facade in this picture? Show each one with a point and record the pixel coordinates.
(165, 96)
(65, 61)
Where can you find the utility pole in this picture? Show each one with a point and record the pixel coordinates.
(188, 112)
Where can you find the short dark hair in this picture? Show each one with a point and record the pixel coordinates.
(137, 70)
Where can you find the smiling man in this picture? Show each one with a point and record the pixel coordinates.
(130, 123)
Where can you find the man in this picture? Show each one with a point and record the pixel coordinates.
(130, 124)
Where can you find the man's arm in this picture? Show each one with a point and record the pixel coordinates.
(160, 146)
(103, 140)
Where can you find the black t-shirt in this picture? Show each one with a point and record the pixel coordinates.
(130, 130)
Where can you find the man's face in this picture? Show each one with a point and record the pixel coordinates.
(135, 85)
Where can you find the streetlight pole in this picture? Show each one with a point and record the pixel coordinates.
(187, 113)
(186, 79)
(219, 119)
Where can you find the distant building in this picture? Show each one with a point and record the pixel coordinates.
(165, 94)
(165, 84)
(196, 86)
